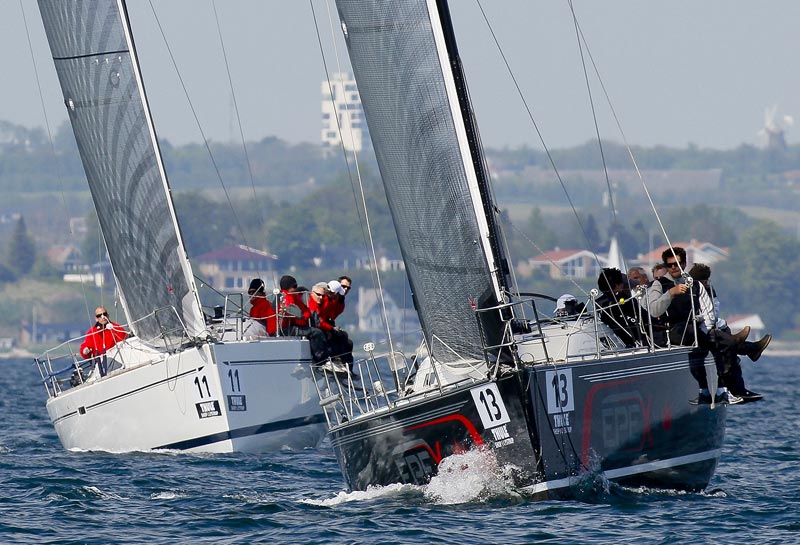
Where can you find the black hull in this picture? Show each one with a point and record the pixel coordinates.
(627, 417)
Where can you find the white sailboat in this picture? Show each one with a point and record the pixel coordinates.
(180, 380)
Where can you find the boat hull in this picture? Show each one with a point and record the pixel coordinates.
(228, 397)
(627, 418)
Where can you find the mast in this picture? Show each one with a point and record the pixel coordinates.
(196, 325)
(466, 127)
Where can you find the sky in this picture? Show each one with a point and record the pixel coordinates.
(677, 73)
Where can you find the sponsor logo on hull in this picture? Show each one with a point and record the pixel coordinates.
(207, 409)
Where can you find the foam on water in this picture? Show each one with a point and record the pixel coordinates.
(167, 495)
(471, 476)
(371, 493)
(94, 491)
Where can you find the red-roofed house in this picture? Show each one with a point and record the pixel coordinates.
(567, 263)
(232, 267)
(67, 258)
(696, 252)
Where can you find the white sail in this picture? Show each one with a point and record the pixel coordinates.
(615, 258)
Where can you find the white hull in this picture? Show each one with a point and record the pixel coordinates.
(241, 396)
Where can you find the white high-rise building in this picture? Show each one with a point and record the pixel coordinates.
(344, 106)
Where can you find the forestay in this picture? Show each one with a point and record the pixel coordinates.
(398, 57)
(95, 59)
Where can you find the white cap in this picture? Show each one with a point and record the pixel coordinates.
(562, 301)
(336, 287)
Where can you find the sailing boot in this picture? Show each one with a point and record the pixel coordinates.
(741, 337)
(755, 349)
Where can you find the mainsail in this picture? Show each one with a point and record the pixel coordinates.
(400, 60)
(95, 59)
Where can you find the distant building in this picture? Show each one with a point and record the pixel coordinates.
(66, 258)
(561, 264)
(370, 313)
(231, 268)
(737, 322)
(342, 113)
(350, 259)
(36, 333)
(78, 227)
(99, 274)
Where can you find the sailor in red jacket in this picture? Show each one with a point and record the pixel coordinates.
(338, 291)
(299, 316)
(319, 303)
(339, 341)
(262, 310)
(101, 337)
(295, 317)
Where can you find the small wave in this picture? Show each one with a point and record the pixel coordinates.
(94, 491)
(371, 493)
(167, 495)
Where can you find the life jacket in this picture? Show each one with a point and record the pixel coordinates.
(679, 311)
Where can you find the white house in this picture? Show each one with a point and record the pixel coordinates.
(370, 313)
(561, 264)
(233, 267)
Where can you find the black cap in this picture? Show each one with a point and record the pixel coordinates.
(256, 285)
(288, 282)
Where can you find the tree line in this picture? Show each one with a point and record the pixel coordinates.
(317, 217)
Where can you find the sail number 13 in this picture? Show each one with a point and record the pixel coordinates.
(490, 405)
(560, 397)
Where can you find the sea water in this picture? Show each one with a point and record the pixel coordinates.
(49, 495)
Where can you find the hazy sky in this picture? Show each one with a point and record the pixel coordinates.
(678, 72)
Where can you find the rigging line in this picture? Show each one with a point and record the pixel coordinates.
(59, 174)
(613, 207)
(259, 205)
(625, 141)
(377, 276)
(594, 114)
(360, 179)
(336, 117)
(530, 240)
(494, 207)
(538, 131)
(541, 136)
(199, 126)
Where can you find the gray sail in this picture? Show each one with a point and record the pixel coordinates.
(403, 77)
(94, 57)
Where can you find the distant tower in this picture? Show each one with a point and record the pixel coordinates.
(344, 106)
(773, 131)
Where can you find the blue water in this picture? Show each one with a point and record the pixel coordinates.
(49, 495)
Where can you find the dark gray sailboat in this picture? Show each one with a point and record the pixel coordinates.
(554, 397)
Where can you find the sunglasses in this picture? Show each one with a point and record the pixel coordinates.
(318, 294)
(345, 287)
(673, 264)
(101, 315)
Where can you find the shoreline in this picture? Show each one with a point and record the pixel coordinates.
(775, 348)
